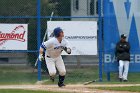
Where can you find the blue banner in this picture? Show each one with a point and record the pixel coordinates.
(121, 17)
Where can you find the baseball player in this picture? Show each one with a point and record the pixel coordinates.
(123, 57)
(53, 49)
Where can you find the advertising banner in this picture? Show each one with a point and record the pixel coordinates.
(13, 36)
(82, 35)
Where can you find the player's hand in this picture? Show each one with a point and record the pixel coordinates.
(68, 50)
(41, 58)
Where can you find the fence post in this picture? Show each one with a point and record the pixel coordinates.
(38, 37)
(100, 38)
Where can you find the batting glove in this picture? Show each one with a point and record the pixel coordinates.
(68, 51)
(41, 58)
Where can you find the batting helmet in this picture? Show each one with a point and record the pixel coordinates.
(57, 31)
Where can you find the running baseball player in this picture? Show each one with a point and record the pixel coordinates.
(53, 49)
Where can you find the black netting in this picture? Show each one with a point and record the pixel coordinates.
(25, 12)
(18, 7)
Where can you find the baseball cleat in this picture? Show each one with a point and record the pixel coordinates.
(120, 79)
(125, 80)
(61, 85)
(52, 79)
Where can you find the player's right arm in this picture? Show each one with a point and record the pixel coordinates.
(42, 49)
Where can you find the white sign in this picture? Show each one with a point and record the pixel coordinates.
(13, 36)
(82, 35)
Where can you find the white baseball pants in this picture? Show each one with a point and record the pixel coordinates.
(53, 63)
(123, 69)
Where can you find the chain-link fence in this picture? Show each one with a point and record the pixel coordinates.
(35, 15)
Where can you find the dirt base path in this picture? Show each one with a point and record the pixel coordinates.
(70, 88)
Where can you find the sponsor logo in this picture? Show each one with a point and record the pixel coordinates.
(17, 34)
(81, 37)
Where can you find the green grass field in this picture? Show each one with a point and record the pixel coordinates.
(16, 75)
(19, 75)
(23, 91)
(12, 75)
(130, 89)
